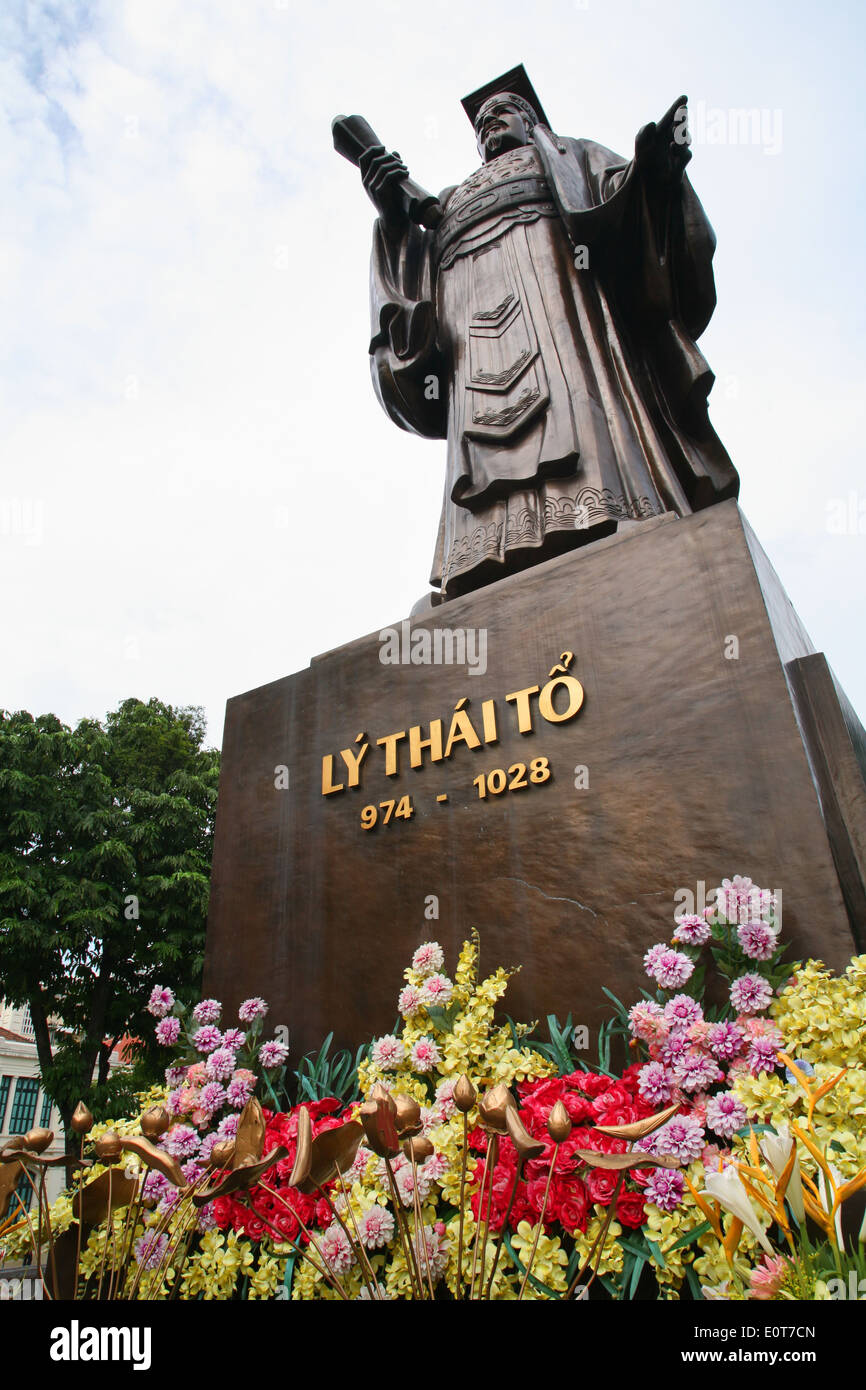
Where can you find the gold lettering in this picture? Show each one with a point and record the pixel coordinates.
(575, 699)
(328, 783)
(417, 743)
(461, 730)
(521, 699)
(353, 762)
(389, 743)
(488, 715)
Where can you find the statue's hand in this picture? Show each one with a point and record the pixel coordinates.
(661, 150)
(381, 175)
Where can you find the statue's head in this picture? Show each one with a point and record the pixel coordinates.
(504, 122)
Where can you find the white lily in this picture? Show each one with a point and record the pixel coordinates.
(776, 1149)
(827, 1190)
(728, 1191)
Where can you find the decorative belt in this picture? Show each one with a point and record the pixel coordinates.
(490, 202)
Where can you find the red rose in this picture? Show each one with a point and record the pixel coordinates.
(570, 1203)
(600, 1185)
(630, 1208)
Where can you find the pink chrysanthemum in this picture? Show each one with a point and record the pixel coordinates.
(674, 1049)
(221, 1064)
(376, 1227)
(682, 1011)
(409, 1001)
(681, 1138)
(445, 1097)
(335, 1249)
(160, 1001)
(725, 1040)
(175, 1075)
(168, 1031)
(761, 1056)
(654, 1084)
(155, 1187)
(725, 1114)
(665, 1188)
(750, 994)
(251, 1009)
(208, 1011)
(425, 1055)
(387, 1053)
(696, 1070)
(673, 969)
(240, 1088)
(692, 930)
(207, 1038)
(435, 1240)
(150, 1249)
(228, 1127)
(437, 989)
(761, 1028)
(757, 940)
(234, 1039)
(181, 1141)
(428, 958)
(652, 957)
(273, 1054)
(646, 1020)
(211, 1097)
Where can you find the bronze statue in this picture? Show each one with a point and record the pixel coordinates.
(541, 316)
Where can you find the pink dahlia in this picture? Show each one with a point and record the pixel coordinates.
(757, 940)
(646, 1021)
(221, 1064)
(725, 1040)
(665, 1188)
(725, 1114)
(437, 989)
(425, 1055)
(387, 1053)
(428, 958)
(168, 1031)
(409, 1001)
(161, 1001)
(207, 1038)
(376, 1227)
(696, 1070)
(682, 1012)
(655, 1084)
(750, 994)
(761, 1056)
(273, 1054)
(251, 1009)
(681, 1138)
(208, 1011)
(692, 930)
(672, 969)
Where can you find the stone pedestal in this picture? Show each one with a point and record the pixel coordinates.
(710, 741)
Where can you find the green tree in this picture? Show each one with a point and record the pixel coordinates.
(106, 835)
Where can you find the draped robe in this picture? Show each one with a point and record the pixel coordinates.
(547, 330)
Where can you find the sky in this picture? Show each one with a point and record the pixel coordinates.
(198, 489)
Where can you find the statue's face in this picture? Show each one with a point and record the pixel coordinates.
(501, 128)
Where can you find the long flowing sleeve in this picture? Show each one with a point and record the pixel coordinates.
(405, 361)
(654, 249)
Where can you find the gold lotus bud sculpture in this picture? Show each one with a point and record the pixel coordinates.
(154, 1122)
(108, 1148)
(464, 1094)
(82, 1119)
(407, 1116)
(418, 1148)
(559, 1123)
(493, 1107)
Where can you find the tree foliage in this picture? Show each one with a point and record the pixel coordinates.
(106, 835)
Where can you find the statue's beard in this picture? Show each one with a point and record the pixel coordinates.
(498, 141)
